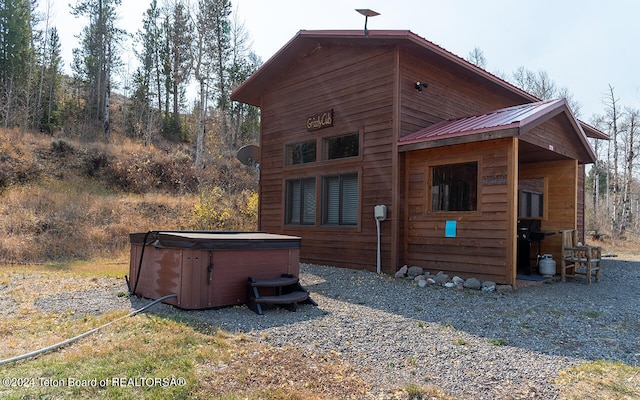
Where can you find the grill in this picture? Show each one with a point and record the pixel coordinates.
(529, 233)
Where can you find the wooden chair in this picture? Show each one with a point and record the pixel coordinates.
(578, 259)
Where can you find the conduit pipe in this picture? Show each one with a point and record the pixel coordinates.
(73, 339)
(380, 214)
(378, 250)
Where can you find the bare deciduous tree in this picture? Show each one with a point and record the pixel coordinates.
(629, 132)
(613, 181)
(476, 57)
(203, 58)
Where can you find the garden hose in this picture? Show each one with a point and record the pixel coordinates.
(73, 339)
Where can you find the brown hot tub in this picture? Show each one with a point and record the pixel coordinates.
(207, 269)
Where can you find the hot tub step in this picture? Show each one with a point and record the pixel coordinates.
(293, 297)
(288, 293)
(284, 280)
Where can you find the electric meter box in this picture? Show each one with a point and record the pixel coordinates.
(380, 212)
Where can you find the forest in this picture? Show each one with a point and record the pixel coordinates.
(200, 45)
(180, 45)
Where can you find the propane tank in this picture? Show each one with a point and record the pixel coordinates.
(547, 265)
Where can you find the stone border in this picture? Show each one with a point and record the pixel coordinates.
(425, 278)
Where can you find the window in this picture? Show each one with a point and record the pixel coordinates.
(454, 187)
(531, 197)
(340, 199)
(341, 146)
(300, 202)
(530, 204)
(301, 153)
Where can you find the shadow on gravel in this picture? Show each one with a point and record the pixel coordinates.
(598, 321)
(239, 319)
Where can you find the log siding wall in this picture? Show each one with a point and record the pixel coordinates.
(358, 86)
(561, 199)
(484, 237)
(371, 91)
(450, 94)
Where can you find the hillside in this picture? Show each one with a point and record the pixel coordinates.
(65, 200)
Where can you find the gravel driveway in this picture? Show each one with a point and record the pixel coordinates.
(469, 343)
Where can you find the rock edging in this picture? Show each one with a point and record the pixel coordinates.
(425, 278)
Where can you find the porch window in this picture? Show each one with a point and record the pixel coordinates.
(340, 199)
(531, 198)
(301, 153)
(300, 201)
(454, 187)
(341, 146)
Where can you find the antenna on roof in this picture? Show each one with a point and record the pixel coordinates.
(367, 13)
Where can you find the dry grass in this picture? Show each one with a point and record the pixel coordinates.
(601, 380)
(624, 249)
(64, 200)
(262, 372)
(62, 220)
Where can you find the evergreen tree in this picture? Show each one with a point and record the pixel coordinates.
(16, 57)
(148, 75)
(95, 60)
(178, 64)
(51, 83)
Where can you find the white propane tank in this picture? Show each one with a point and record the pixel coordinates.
(547, 265)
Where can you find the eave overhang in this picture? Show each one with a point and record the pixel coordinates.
(507, 122)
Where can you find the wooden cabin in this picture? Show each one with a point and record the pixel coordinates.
(457, 155)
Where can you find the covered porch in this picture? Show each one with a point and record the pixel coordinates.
(469, 182)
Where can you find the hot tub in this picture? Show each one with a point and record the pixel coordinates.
(207, 269)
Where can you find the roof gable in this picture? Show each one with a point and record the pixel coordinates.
(305, 42)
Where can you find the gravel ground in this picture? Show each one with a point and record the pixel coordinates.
(469, 343)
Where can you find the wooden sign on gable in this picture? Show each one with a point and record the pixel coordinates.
(320, 120)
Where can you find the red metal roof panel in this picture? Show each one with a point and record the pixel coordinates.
(511, 117)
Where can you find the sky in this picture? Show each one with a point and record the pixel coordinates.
(583, 45)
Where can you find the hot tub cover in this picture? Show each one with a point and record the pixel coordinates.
(212, 240)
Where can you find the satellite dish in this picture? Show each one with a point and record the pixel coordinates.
(249, 154)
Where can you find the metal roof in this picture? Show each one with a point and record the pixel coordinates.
(506, 118)
(505, 122)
